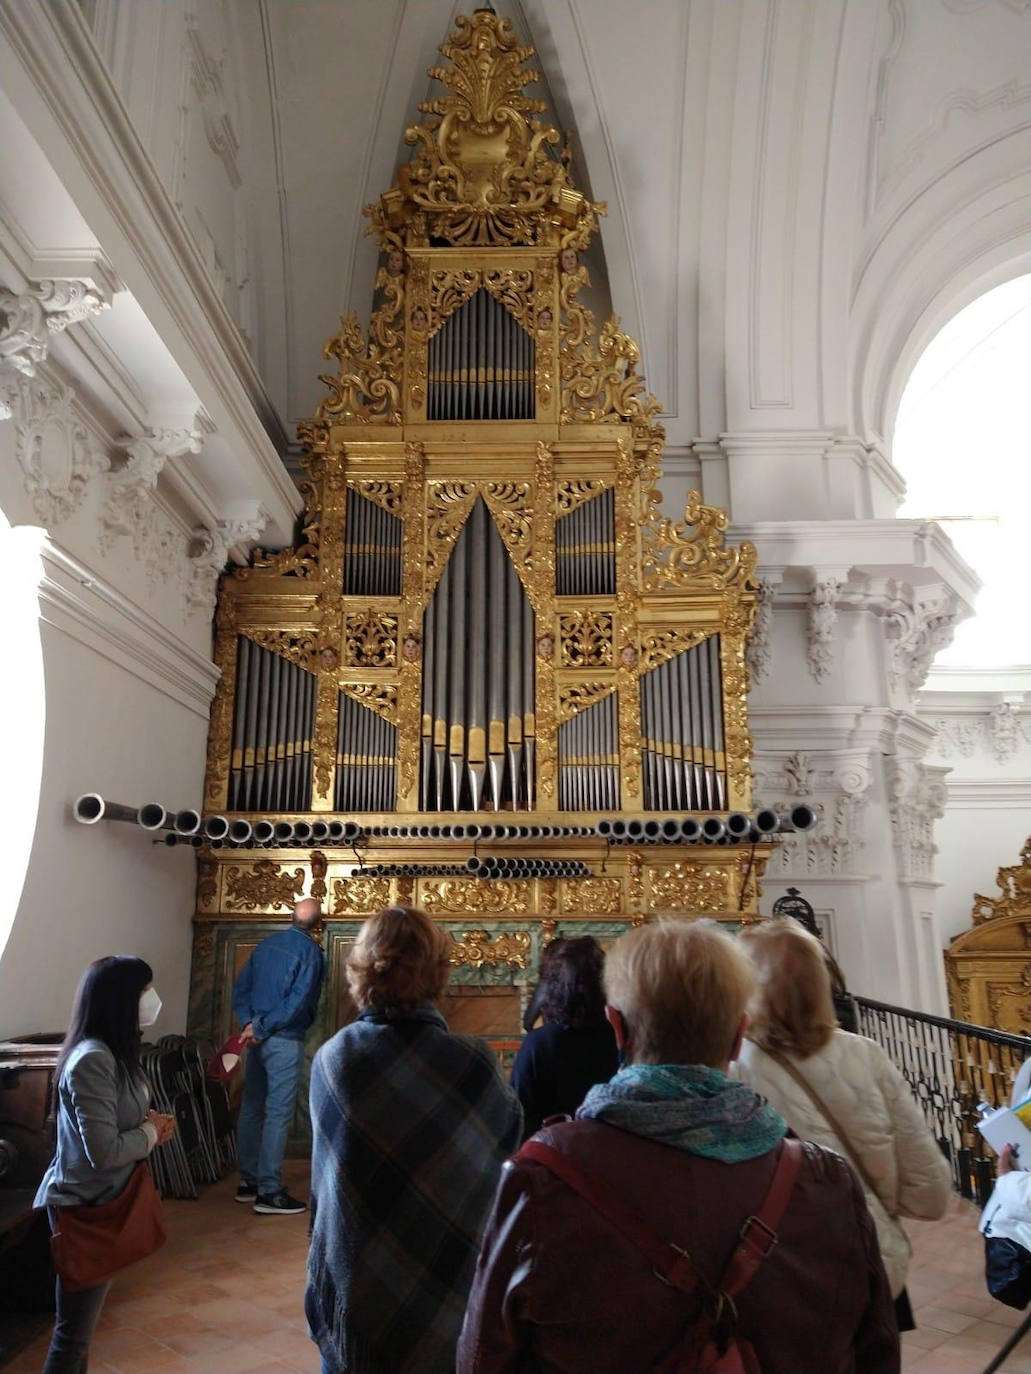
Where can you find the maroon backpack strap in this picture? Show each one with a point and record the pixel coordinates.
(672, 1264)
(759, 1233)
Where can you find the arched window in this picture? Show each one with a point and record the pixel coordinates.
(963, 443)
(24, 711)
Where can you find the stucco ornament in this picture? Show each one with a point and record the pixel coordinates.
(821, 619)
(28, 319)
(760, 645)
(56, 452)
(917, 628)
(129, 509)
(209, 551)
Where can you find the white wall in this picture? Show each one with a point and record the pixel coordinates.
(983, 737)
(103, 889)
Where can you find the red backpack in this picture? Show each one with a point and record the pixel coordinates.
(711, 1346)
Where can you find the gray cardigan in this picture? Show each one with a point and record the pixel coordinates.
(100, 1131)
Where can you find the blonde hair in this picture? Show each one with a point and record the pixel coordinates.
(400, 959)
(793, 1009)
(682, 987)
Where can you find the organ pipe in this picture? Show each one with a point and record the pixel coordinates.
(588, 753)
(273, 722)
(478, 678)
(480, 365)
(372, 548)
(585, 548)
(682, 727)
(366, 755)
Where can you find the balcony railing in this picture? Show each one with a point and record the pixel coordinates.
(952, 1068)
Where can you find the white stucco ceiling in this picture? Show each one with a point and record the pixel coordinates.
(758, 162)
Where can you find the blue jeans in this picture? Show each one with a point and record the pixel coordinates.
(273, 1072)
(77, 1315)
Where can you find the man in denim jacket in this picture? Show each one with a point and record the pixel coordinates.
(275, 999)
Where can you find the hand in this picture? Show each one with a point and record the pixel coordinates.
(247, 1035)
(163, 1124)
(1008, 1159)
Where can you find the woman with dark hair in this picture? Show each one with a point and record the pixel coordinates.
(103, 1125)
(559, 1062)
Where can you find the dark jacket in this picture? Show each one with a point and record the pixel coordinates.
(557, 1065)
(410, 1125)
(558, 1291)
(278, 988)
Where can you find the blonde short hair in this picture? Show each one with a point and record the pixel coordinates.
(682, 987)
(400, 959)
(793, 1009)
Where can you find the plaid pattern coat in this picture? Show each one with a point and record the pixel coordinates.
(410, 1127)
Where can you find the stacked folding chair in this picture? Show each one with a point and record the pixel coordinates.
(170, 1165)
(204, 1145)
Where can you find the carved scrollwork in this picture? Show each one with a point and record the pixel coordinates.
(1014, 883)
(513, 290)
(595, 896)
(367, 388)
(605, 386)
(360, 896)
(324, 761)
(476, 948)
(570, 495)
(574, 697)
(692, 553)
(666, 644)
(450, 288)
(298, 646)
(688, 889)
(447, 508)
(473, 894)
(380, 697)
(207, 884)
(542, 598)
(586, 639)
(481, 172)
(511, 506)
(370, 639)
(735, 621)
(319, 868)
(386, 495)
(261, 886)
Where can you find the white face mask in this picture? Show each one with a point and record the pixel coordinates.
(150, 1008)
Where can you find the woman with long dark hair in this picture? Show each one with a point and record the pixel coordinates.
(104, 1127)
(559, 1062)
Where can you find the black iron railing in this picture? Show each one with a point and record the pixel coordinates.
(952, 1068)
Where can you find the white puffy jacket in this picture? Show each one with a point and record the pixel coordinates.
(886, 1129)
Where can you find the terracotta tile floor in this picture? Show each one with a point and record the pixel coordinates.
(225, 1297)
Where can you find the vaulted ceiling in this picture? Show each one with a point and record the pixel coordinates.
(759, 162)
(799, 192)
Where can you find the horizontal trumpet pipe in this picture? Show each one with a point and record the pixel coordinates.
(91, 807)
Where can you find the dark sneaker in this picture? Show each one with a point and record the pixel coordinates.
(282, 1205)
(247, 1192)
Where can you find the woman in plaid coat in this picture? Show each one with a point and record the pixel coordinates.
(410, 1127)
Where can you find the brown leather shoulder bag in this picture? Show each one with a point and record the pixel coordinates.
(93, 1242)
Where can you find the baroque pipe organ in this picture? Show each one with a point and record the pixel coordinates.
(486, 622)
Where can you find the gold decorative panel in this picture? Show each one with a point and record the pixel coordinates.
(988, 968)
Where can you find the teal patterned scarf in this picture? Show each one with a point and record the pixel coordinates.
(689, 1106)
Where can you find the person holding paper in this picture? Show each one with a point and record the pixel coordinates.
(840, 1090)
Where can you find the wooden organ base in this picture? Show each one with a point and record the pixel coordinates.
(498, 926)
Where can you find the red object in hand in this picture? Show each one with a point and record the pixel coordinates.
(226, 1061)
